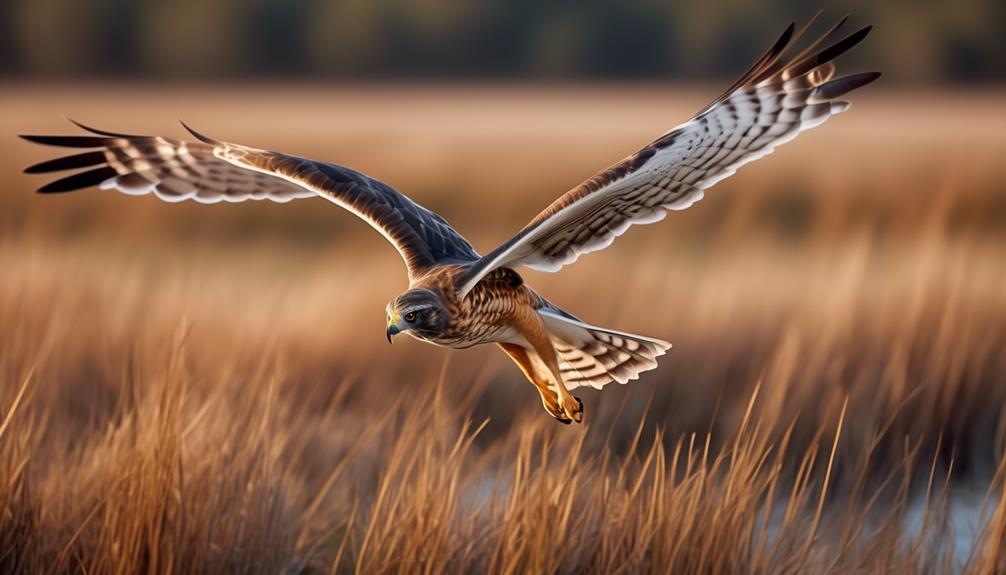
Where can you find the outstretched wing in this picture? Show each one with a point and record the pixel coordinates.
(768, 106)
(209, 171)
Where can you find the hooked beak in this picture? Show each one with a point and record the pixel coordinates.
(393, 326)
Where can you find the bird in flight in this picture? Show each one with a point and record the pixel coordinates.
(459, 298)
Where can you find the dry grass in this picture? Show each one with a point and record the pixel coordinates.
(192, 389)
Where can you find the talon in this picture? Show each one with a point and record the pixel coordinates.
(578, 415)
(560, 416)
(571, 412)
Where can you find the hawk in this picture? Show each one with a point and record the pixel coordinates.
(459, 298)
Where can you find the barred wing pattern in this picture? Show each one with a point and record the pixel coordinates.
(209, 171)
(768, 106)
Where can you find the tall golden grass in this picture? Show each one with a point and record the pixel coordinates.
(202, 389)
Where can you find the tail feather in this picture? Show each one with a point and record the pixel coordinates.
(592, 356)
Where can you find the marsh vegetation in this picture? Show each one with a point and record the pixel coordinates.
(207, 389)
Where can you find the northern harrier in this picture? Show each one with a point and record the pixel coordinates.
(458, 298)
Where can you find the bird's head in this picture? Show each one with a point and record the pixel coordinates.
(420, 312)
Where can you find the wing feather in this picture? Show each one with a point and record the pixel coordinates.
(776, 99)
(209, 171)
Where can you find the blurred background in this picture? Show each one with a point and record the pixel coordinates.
(845, 296)
(926, 41)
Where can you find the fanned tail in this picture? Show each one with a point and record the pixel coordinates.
(594, 357)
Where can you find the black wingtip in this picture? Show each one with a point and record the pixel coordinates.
(67, 141)
(786, 36)
(843, 46)
(76, 161)
(97, 131)
(856, 37)
(807, 63)
(840, 86)
(79, 181)
(202, 138)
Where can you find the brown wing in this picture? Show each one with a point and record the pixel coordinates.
(209, 171)
(770, 104)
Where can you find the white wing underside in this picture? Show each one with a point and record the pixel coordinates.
(771, 105)
(657, 172)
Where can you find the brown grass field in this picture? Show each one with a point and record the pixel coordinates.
(207, 389)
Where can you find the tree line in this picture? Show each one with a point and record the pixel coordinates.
(920, 41)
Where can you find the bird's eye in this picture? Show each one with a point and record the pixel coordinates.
(410, 317)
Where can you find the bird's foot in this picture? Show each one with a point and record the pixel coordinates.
(557, 412)
(552, 408)
(572, 409)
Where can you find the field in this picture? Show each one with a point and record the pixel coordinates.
(207, 389)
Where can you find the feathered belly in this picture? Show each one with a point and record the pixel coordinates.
(486, 314)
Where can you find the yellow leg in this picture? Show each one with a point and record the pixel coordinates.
(529, 324)
(522, 358)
